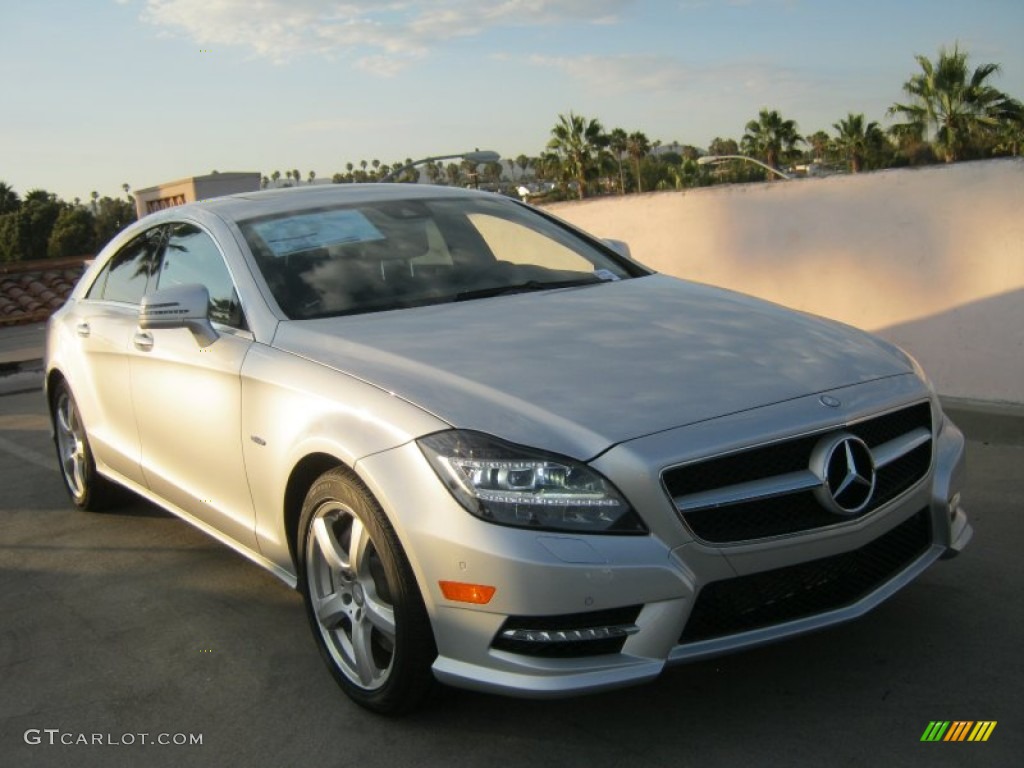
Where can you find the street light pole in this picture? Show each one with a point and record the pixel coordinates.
(476, 156)
(715, 159)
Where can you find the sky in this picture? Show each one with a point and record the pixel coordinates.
(98, 93)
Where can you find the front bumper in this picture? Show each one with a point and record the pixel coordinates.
(550, 575)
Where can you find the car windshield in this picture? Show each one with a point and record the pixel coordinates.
(389, 254)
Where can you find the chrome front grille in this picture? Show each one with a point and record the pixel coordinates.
(773, 491)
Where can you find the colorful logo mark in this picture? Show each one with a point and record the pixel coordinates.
(958, 730)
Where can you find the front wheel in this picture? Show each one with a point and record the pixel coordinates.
(361, 598)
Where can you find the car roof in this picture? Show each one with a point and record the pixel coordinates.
(247, 205)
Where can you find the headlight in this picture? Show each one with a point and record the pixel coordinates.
(512, 485)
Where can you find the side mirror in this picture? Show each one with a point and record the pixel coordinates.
(183, 306)
(619, 246)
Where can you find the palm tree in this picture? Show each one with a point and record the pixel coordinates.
(577, 142)
(770, 137)
(1010, 139)
(312, 175)
(958, 107)
(618, 143)
(820, 144)
(637, 145)
(857, 140)
(720, 146)
(9, 200)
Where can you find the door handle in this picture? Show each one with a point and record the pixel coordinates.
(82, 329)
(143, 341)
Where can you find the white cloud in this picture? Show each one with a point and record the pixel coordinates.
(618, 74)
(381, 37)
(654, 74)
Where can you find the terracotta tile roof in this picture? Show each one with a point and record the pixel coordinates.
(31, 290)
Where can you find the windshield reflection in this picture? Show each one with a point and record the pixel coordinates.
(377, 256)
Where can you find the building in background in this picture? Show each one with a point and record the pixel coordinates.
(192, 189)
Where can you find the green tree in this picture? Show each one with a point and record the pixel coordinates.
(820, 144)
(618, 143)
(9, 200)
(952, 105)
(112, 215)
(637, 146)
(856, 141)
(36, 218)
(720, 146)
(1010, 138)
(524, 163)
(73, 234)
(577, 143)
(454, 173)
(770, 138)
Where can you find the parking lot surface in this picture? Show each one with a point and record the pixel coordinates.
(131, 622)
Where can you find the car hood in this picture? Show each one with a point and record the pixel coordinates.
(578, 370)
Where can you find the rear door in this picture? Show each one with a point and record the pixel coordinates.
(104, 324)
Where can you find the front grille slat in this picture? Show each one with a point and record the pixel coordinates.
(754, 494)
(806, 589)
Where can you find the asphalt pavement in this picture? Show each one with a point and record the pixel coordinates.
(124, 629)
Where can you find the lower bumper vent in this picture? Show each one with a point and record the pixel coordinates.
(797, 591)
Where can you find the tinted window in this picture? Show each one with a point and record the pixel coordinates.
(191, 256)
(127, 275)
(384, 255)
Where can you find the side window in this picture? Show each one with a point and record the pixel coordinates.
(191, 256)
(126, 276)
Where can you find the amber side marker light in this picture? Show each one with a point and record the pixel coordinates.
(480, 594)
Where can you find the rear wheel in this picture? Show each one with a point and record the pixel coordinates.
(86, 487)
(361, 598)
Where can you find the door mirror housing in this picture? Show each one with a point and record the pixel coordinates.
(183, 306)
(621, 247)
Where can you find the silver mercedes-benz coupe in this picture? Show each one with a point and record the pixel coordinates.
(489, 449)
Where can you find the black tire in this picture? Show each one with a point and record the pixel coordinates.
(362, 602)
(88, 489)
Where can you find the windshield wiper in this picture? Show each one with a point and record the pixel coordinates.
(525, 287)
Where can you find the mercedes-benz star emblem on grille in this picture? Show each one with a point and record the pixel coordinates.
(844, 464)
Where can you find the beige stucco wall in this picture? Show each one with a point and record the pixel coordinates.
(932, 259)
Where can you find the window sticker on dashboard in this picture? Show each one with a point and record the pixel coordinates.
(316, 230)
